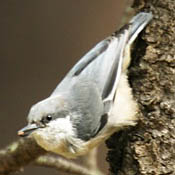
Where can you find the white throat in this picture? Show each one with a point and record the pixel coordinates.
(58, 136)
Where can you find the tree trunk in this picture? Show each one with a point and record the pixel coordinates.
(149, 148)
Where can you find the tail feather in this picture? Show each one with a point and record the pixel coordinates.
(138, 22)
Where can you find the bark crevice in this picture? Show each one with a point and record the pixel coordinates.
(150, 147)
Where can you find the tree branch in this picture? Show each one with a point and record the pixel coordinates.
(62, 165)
(14, 157)
(18, 154)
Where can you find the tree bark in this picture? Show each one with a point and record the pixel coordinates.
(149, 148)
(18, 154)
(22, 152)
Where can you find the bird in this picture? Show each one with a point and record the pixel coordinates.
(93, 100)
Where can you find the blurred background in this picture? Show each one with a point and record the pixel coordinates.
(40, 41)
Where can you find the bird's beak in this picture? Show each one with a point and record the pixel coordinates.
(27, 130)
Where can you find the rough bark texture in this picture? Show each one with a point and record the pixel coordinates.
(149, 148)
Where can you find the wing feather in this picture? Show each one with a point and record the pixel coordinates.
(100, 66)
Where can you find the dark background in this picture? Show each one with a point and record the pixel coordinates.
(40, 41)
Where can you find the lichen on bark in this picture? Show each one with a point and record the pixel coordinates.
(149, 148)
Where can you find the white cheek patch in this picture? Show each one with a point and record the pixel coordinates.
(55, 135)
(61, 125)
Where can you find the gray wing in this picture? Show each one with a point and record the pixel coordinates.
(102, 66)
(92, 82)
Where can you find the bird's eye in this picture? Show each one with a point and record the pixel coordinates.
(48, 118)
